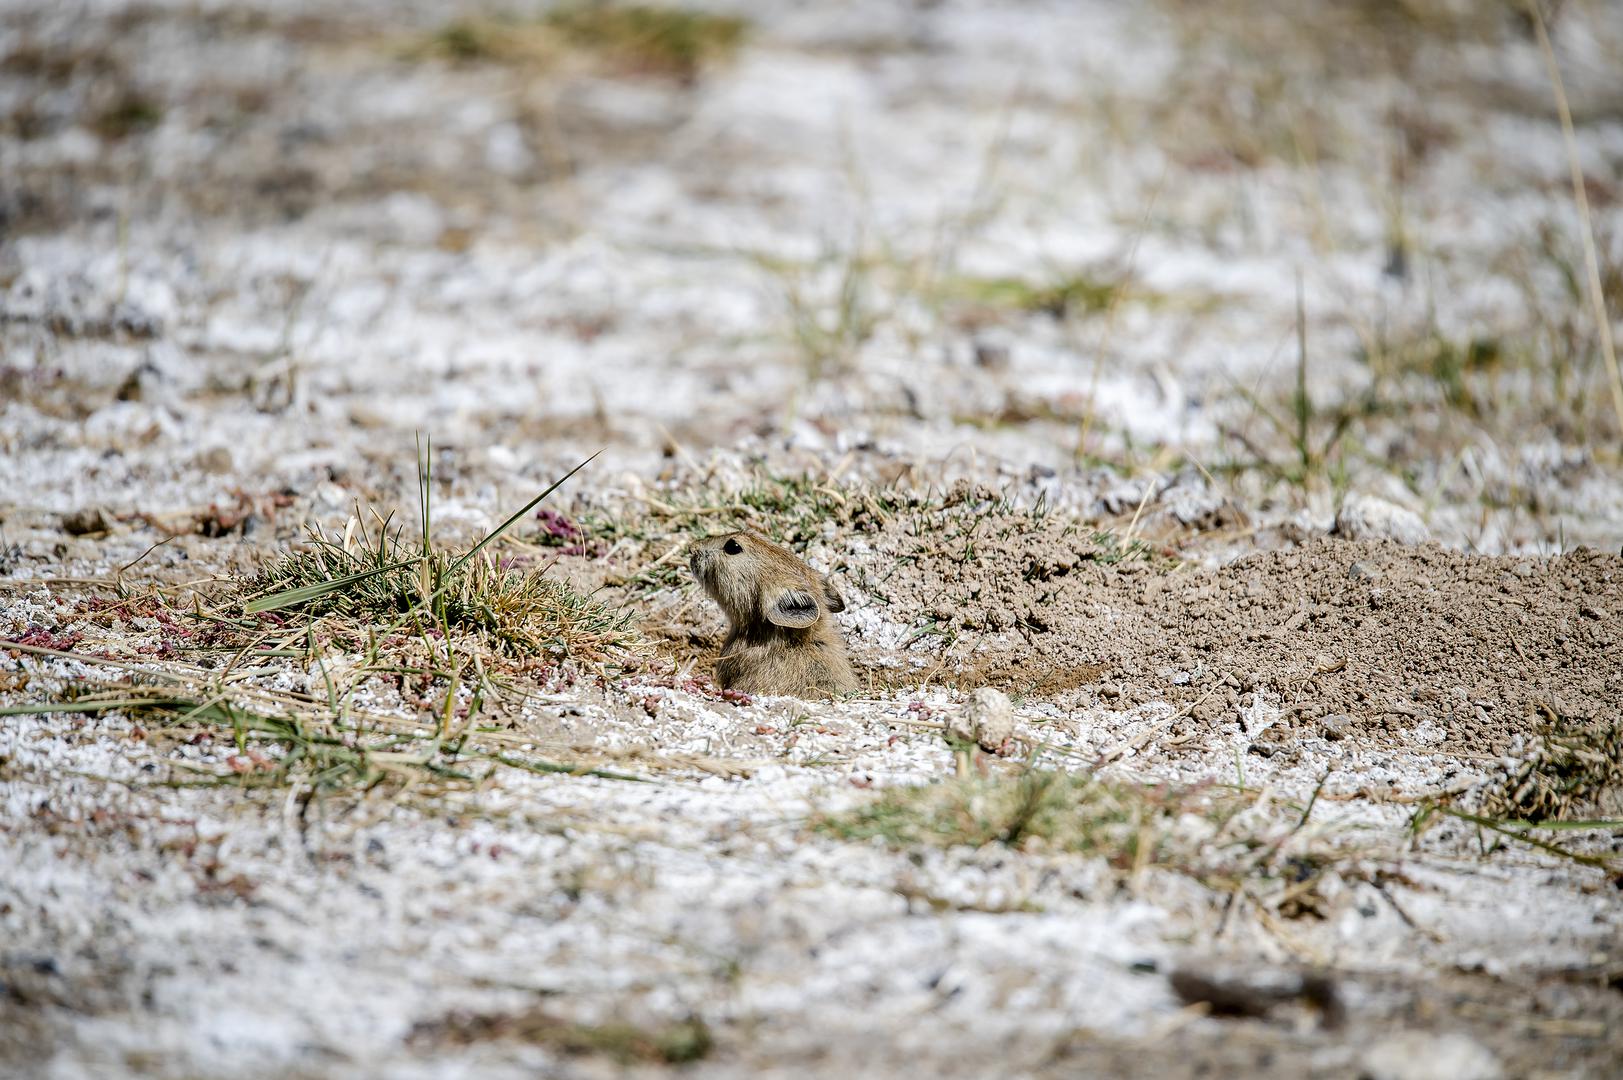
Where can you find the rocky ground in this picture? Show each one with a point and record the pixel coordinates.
(1220, 383)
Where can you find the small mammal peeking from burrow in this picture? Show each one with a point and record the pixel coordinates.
(781, 637)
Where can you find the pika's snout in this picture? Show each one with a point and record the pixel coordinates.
(700, 560)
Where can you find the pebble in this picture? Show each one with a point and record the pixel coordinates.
(1415, 1055)
(1366, 517)
(986, 719)
(215, 460)
(85, 522)
(992, 356)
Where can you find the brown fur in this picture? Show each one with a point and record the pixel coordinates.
(780, 637)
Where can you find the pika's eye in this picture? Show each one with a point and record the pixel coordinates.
(732, 547)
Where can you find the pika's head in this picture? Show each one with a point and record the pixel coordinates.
(754, 581)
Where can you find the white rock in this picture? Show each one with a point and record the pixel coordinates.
(1416, 1055)
(1366, 517)
(987, 718)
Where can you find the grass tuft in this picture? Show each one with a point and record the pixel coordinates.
(1131, 825)
(1575, 771)
(131, 115)
(1059, 298)
(636, 39)
(494, 41)
(649, 39)
(517, 610)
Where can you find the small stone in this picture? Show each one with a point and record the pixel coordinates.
(1229, 990)
(330, 495)
(364, 415)
(130, 388)
(991, 356)
(1336, 726)
(1366, 517)
(85, 522)
(216, 460)
(1362, 571)
(987, 719)
(1110, 691)
(1415, 1055)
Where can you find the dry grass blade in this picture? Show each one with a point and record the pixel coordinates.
(90, 705)
(650, 38)
(1597, 294)
(636, 39)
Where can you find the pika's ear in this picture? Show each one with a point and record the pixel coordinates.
(832, 596)
(791, 607)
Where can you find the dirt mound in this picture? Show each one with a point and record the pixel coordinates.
(1402, 644)
(1398, 642)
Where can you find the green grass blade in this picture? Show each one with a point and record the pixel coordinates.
(1526, 837)
(305, 593)
(425, 489)
(525, 509)
(91, 705)
(538, 765)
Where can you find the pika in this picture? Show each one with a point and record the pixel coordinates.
(780, 637)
